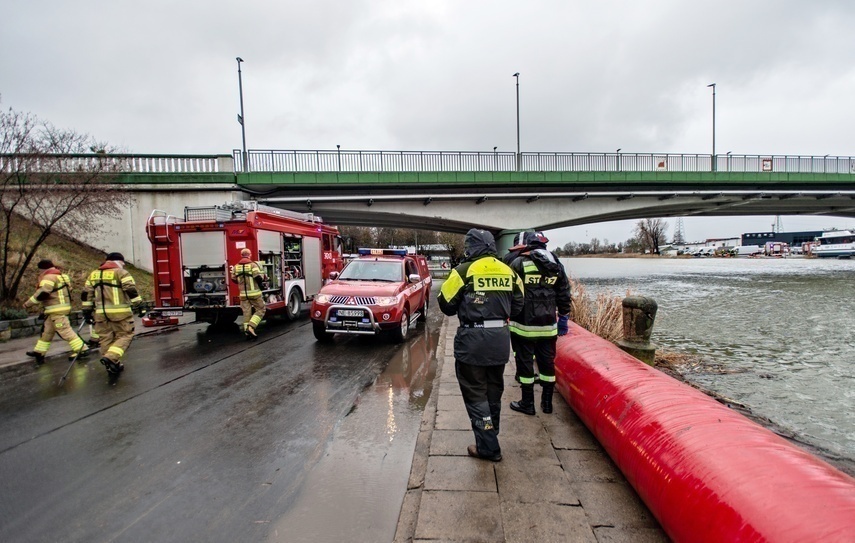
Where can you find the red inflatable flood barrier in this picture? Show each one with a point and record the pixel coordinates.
(707, 473)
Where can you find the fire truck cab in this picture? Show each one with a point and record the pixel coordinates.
(193, 258)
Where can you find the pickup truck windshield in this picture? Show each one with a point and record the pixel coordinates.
(373, 270)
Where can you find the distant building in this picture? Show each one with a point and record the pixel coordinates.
(793, 239)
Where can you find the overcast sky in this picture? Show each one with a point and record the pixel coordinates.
(161, 77)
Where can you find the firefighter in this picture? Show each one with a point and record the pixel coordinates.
(54, 295)
(535, 330)
(483, 292)
(109, 298)
(249, 277)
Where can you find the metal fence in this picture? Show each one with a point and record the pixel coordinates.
(116, 163)
(475, 161)
(425, 161)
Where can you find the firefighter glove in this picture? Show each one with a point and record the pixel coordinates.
(563, 326)
(88, 316)
(142, 310)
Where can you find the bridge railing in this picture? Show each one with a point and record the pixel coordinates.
(131, 163)
(486, 161)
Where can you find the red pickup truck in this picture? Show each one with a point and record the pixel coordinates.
(382, 291)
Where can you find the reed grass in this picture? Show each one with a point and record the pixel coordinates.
(601, 314)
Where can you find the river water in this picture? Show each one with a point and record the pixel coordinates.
(776, 335)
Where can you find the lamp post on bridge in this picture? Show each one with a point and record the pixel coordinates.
(618, 158)
(517, 76)
(713, 125)
(241, 117)
(338, 155)
(495, 158)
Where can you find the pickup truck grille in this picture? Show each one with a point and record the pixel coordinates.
(358, 300)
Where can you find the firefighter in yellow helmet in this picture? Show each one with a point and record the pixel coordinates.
(54, 296)
(109, 298)
(249, 276)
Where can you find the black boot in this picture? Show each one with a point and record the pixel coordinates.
(113, 368)
(40, 357)
(546, 397)
(526, 404)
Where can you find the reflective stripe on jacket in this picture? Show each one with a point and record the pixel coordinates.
(53, 293)
(479, 291)
(248, 276)
(110, 291)
(547, 294)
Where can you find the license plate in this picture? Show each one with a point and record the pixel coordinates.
(172, 313)
(349, 312)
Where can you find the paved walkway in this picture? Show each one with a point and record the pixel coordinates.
(554, 483)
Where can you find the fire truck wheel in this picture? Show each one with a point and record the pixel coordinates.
(319, 330)
(424, 310)
(292, 310)
(399, 334)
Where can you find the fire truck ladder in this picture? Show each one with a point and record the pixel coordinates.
(157, 230)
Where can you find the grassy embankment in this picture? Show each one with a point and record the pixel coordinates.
(72, 256)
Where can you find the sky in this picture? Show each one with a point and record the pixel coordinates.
(161, 77)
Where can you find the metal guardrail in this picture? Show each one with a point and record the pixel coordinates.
(426, 161)
(476, 161)
(129, 163)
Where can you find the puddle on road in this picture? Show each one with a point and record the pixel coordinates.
(355, 491)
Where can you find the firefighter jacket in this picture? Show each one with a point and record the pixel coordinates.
(483, 292)
(547, 292)
(110, 291)
(54, 293)
(248, 276)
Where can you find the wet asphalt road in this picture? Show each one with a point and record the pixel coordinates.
(207, 437)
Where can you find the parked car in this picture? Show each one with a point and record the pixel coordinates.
(381, 291)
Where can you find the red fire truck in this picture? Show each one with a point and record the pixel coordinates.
(192, 258)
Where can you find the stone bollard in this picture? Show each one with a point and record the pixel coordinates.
(639, 314)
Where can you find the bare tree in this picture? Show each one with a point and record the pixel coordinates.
(55, 179)
(650, 233)
(454, 244)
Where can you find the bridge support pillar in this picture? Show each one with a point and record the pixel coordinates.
(505, 240)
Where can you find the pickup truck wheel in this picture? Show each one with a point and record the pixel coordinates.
(292, 310)
(319, 330)
(424, 309)
(399, 334)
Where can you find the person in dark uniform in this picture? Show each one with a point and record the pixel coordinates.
(545, 317)
(484, 293)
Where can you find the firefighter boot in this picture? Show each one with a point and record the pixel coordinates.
(113, 368)
(526, 404)
(546, 397)
(40, 357)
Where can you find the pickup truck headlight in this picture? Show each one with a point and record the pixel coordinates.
(322, 298)
(386, 300)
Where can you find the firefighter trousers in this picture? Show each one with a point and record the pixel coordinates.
(253, 311)
(114, 336)
(58, 324)
(482, 387)
(527, 350)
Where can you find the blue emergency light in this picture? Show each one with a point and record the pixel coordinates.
(381, 252)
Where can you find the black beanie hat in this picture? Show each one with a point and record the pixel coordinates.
(115, 256)
(45, 264)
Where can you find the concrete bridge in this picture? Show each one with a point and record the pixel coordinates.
(503, 192)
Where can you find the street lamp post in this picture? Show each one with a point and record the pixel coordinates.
(618, 158)
(728, 160)
(517, 76)
(495, 158)
(338, 155)
(713, 125)
(241, 118)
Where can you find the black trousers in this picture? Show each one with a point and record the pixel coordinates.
(526, 350)
(482, 388)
